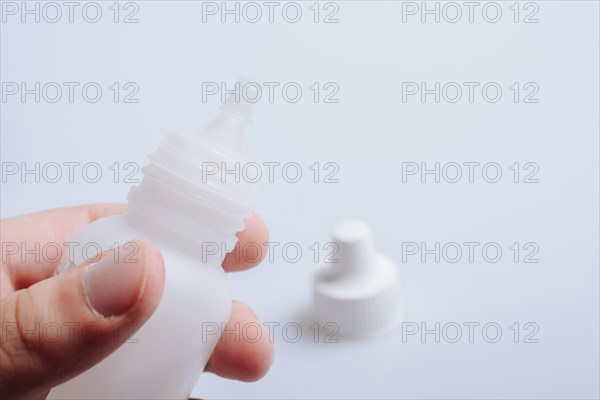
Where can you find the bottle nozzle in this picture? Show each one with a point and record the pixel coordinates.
(227, 129)
(241, 103)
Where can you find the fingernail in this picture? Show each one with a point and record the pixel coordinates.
(113, 286)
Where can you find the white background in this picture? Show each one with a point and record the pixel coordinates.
(368, 133)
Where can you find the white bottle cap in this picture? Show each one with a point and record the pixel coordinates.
(359, 290)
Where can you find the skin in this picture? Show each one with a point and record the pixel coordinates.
(30, 294)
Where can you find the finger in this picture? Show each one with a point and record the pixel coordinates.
(245, 351)
(251, 247)
(33, 244)
(46, 335)
(52, 228)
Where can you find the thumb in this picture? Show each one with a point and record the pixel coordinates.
(62, 326)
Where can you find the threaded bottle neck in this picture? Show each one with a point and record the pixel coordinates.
(185, 191)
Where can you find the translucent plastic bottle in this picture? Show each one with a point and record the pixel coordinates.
(188, 210)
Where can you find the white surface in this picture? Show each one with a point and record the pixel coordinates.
(369, 133)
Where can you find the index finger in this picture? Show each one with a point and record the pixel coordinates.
(32, 232)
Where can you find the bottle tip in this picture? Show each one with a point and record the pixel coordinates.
(227, 130)
(242, 100)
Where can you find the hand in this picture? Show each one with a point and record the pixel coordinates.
(32, 298)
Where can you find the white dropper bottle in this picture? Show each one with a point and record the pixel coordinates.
(185, 210)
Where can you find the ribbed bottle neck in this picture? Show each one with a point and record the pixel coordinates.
(184, 193)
